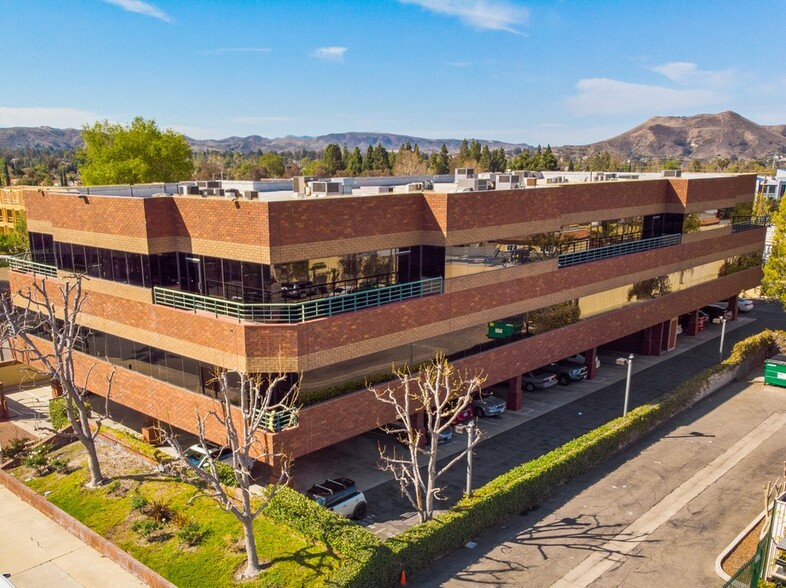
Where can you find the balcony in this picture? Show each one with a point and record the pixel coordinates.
(747, 224)
(596, 253)
(31, 267)
(297, 312)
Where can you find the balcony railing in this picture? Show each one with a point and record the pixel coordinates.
(297, 312)
(275, 421)
(568, 259)
(753, 222)
(31, 267)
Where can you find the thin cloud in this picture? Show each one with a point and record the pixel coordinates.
(688, 74)
(46, 117)
(223, 50)
(495, 15)
(330, 53)
(602, 96)
(140, 7)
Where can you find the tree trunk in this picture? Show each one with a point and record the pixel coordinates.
(96, 477)
(253, 568)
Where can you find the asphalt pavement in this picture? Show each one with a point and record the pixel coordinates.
(391, 513)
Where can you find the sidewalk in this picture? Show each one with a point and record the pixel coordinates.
(37, 552)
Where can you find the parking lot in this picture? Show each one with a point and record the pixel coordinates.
(506, 443)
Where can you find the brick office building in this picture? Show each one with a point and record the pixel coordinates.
(337, 288)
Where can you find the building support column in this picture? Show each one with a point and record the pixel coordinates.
(4, 414)
(515, 397)
(733, 307)
(589, 362)
(651, 340)
(693, 324)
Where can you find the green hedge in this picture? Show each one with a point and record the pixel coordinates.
(365, 560)
(526, 485)
(57, 412)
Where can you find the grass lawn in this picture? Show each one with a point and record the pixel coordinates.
(109, 510)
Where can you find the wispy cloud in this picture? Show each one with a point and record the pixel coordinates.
(330, 53)
(495, 15)
(46, 117)
(602, 96)
(223, 50)
(141, 8)
(261, 119)
(688, 74)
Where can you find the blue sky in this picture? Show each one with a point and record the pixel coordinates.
(558, 72)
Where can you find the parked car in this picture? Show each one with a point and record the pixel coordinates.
(443, 437)
(464, 416)
(579, 358)
(566, 371)
(537, 379)
(716, 312)
(743, 304)
(489, 405)
(299, 289)
(341, 496)
(702, 320)
(197, 455)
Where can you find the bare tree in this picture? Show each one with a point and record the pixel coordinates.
(52, 312)
(241, 424)
(438, 392)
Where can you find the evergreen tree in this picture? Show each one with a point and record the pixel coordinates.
(485, 162)
(332, 160)
(355, 162)
(439, 163)
(549, 160)
(381, 160)
(463, 154)
(475, 150)
(499, 162)
(368, 161)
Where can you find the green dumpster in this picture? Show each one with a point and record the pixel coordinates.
(503, 330)
(775, 370)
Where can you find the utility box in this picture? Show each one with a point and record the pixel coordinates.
(775, 370)
(503, 330)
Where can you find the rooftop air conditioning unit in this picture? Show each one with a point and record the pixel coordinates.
(213, 184)
(326, 188)
(672, 173)
(251, 194)
(231, 193)
(465, 172)
(415, 187)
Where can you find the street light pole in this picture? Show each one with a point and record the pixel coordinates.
(629, 361)
(723, 336)
(470, 439)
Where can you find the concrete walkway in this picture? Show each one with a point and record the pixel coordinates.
(39, 553)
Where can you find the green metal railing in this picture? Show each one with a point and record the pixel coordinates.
(275, 421)
(753, 570)
(753, 222)
(596, 253)
(297, 312)
(32, 267)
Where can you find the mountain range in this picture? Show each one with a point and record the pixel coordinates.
(703, 136)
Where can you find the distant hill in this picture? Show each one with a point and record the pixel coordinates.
(703, 136)
(44, 137)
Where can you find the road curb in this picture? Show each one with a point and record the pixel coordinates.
(734, 543)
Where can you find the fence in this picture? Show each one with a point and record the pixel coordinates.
(568, 259)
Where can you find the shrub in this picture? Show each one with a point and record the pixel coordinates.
(15, 447)
(159, 510)
(38, 460)
(146, 527)
(138, 502)
(60, 465)
(226, 474)
(192, 534)
(58, 414)
(366, 561)
(180, 519)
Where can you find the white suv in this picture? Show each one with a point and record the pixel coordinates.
(341, 496)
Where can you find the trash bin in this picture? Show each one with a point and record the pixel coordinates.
(775, 370)
(503, 330)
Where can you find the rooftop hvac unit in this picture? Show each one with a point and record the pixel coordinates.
(213, 184)
(325, 188)
(415, 187)
(231, 193)
(465, 172)
(672, 173)
(251, 194)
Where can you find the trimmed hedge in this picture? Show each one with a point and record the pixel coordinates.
(366, 561)
(58, 415)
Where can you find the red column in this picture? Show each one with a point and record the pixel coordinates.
(734, 307)
(515, 397)
(693, 324)
(590, 357)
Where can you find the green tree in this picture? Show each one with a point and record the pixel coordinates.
(354, 162)
(484, 161)
(381, 159)
(333, 160)
(475, 150)
(549, 160)
(272, 165)
(774, 281)
(137, 154)
(439, 163)
(17, 240)
(368, 161)
(463, 154)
